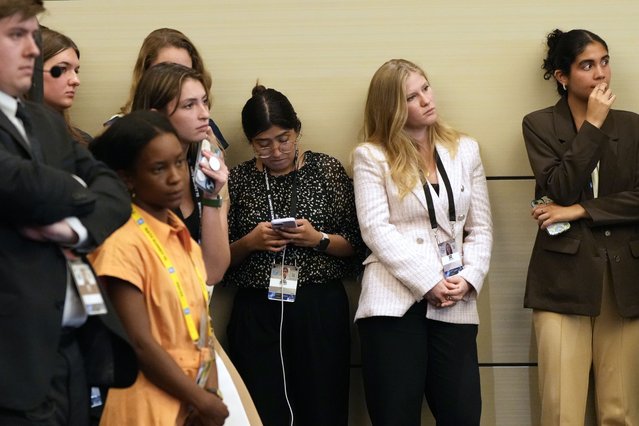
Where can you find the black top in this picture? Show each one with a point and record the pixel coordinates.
(194, 221)
(324, 197)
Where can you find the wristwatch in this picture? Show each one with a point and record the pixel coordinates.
(212, 202)
(323, 244)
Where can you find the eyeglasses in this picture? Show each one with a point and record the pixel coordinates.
(285, 144)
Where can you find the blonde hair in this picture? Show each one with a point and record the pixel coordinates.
(151, 46)
(385, 116)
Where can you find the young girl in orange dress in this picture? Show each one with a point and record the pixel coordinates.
(154, 273)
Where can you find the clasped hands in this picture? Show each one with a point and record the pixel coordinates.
(448, 292)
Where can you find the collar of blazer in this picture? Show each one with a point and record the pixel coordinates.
(453, 169)
(9, 128)
(565, 127)
(565, 130)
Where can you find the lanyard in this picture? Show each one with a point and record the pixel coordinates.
(164, 258)
(196, 200)
(449, 193)
(269, 197)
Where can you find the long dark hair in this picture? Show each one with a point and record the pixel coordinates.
(54, 42)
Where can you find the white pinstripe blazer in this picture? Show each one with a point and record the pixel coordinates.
(405, 264)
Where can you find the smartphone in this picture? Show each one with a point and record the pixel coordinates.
(286, 222)
(204, 182)
(555, 228)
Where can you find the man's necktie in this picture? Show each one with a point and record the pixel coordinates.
(25, 117)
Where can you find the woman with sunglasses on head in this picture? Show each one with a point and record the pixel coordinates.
(182, 94)
(61, 79)
(582, 279)
(172, 46)
(298, 328)
(154, 273)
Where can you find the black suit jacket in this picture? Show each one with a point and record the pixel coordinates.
(33, 274)
(565, 274)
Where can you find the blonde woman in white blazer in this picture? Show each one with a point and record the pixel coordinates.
(417, 327)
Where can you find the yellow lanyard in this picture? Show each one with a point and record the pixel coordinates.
(164, 258)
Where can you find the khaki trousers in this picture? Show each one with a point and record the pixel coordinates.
(569, 345)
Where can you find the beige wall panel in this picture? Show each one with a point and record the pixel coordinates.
(483, 59)
(505, 333)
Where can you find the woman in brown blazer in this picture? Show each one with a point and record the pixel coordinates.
(583, 283)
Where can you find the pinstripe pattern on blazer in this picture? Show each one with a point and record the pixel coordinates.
(404, 263)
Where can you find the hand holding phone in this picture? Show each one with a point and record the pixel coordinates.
(204, 182)
(554, 228)
(286, 222)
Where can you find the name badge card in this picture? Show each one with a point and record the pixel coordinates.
(283, 283)
(86, 284)
(451, 258)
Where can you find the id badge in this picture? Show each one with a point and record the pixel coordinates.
(283, 283)
(86, 284)
(451, 258)
(203, 371)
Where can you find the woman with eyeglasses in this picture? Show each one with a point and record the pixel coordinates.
(61, 69)
(289, 339)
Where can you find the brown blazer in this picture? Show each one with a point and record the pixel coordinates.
(565, 274)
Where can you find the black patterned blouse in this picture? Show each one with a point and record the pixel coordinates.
(324, 197)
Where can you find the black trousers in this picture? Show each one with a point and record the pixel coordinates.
(67, 403)
(316, 351)
(407, 358)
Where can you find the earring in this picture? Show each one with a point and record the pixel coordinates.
(564, 86)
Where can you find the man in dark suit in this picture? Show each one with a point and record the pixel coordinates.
(54, 197)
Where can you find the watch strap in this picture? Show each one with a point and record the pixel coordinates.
(324, 242)
(212, 202)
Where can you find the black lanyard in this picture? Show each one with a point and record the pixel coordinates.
(449, 193)
(269, 197)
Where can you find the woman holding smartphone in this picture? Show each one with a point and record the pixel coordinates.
(582, 283)
(293, 355)
(182, 94)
